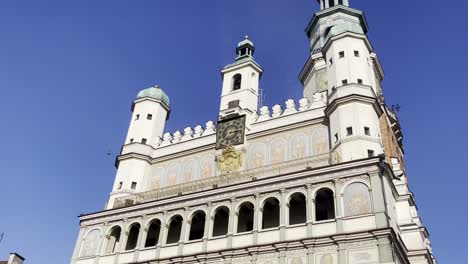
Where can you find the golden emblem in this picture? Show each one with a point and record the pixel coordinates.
(229, 161)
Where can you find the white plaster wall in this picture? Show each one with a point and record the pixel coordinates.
(248, 94)
(143, 128)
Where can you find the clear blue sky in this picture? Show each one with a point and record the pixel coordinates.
(69, 71)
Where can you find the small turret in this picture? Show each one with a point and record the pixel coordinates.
(150, 112)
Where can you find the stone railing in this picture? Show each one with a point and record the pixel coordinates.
(225, 180)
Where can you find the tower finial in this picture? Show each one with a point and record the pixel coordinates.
(246, 37)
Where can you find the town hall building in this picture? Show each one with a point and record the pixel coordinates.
(319, 180)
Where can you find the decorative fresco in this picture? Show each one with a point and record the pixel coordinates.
(356, 199)
(326, 259)
(278, 151)
(257, 156)
(297, 260)
(172, 175)
(91, 243)
(189, 171)
(299, 146)
(156, 179)
(207, 167)
(320, 141)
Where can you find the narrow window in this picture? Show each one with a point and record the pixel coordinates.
(366, 131)
(149, 117)
(245, 218)
(137, 117)
(331, 61)
(370, 153)
(153, 234)
(131, 140)
(113, 240)
(197, 226)
(359, 81)
(271, 213)
(175, 228)
(344, 82)
(341, 54)
(356, 53)
(324, 205)
(349, 131)
(133, 237)
(336, 137)
(340, 2)
(134, 184)
(297, 209)
(144, 140)
(331, 3)
(120, 186)
(233, 104)
(221, 222)
(237, 82)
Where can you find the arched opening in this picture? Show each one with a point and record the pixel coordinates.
(197, 227)
(271, 213)
(221, 221)
(175, 228)
(245, 218)
(324, 205)
(91, 243)
(153, 233)
(356, 199)
(236, 82)
(113, 240)
(132, 239)
(297, 209)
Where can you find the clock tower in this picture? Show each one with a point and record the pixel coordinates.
(239, 95)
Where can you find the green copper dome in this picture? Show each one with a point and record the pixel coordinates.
(156, 93)
(246, 41)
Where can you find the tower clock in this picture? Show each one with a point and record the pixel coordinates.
(230, 132)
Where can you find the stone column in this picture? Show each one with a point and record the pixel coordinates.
(385, 250)
(310, 208)
(208, 226)
(342, 254)
(282, 256)
(183, 233)
(283, 214)
(337, 2)
(257, 216)
(378, 200)
(311, 255)
(162, 235)
(232, 226)
(322, 5)
(346, 2)
(338, 196)
(123, 241)
(142, 233)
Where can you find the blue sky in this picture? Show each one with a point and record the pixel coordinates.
(69, 71)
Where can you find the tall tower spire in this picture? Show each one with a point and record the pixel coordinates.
(241, 79)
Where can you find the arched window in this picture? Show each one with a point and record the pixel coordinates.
(271, 213)
(356, 199)
(153, 233)
(221, 222)
(175, 227)
(324, 205)
(236, 82)
(91, 243)
(245, 218)
(197, 226)
(113, 240)
(297, 209)
(132, 239)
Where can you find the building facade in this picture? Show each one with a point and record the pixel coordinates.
(318, 181)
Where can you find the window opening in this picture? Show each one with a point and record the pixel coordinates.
(297, 209)
(149, 117)
(132, 239)
(197, 226)
(221, 222)
(245, 218)
(175, 228)
(324, 205)
(271, 213)
(153, 234)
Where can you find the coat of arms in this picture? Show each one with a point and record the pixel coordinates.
(230, 160)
